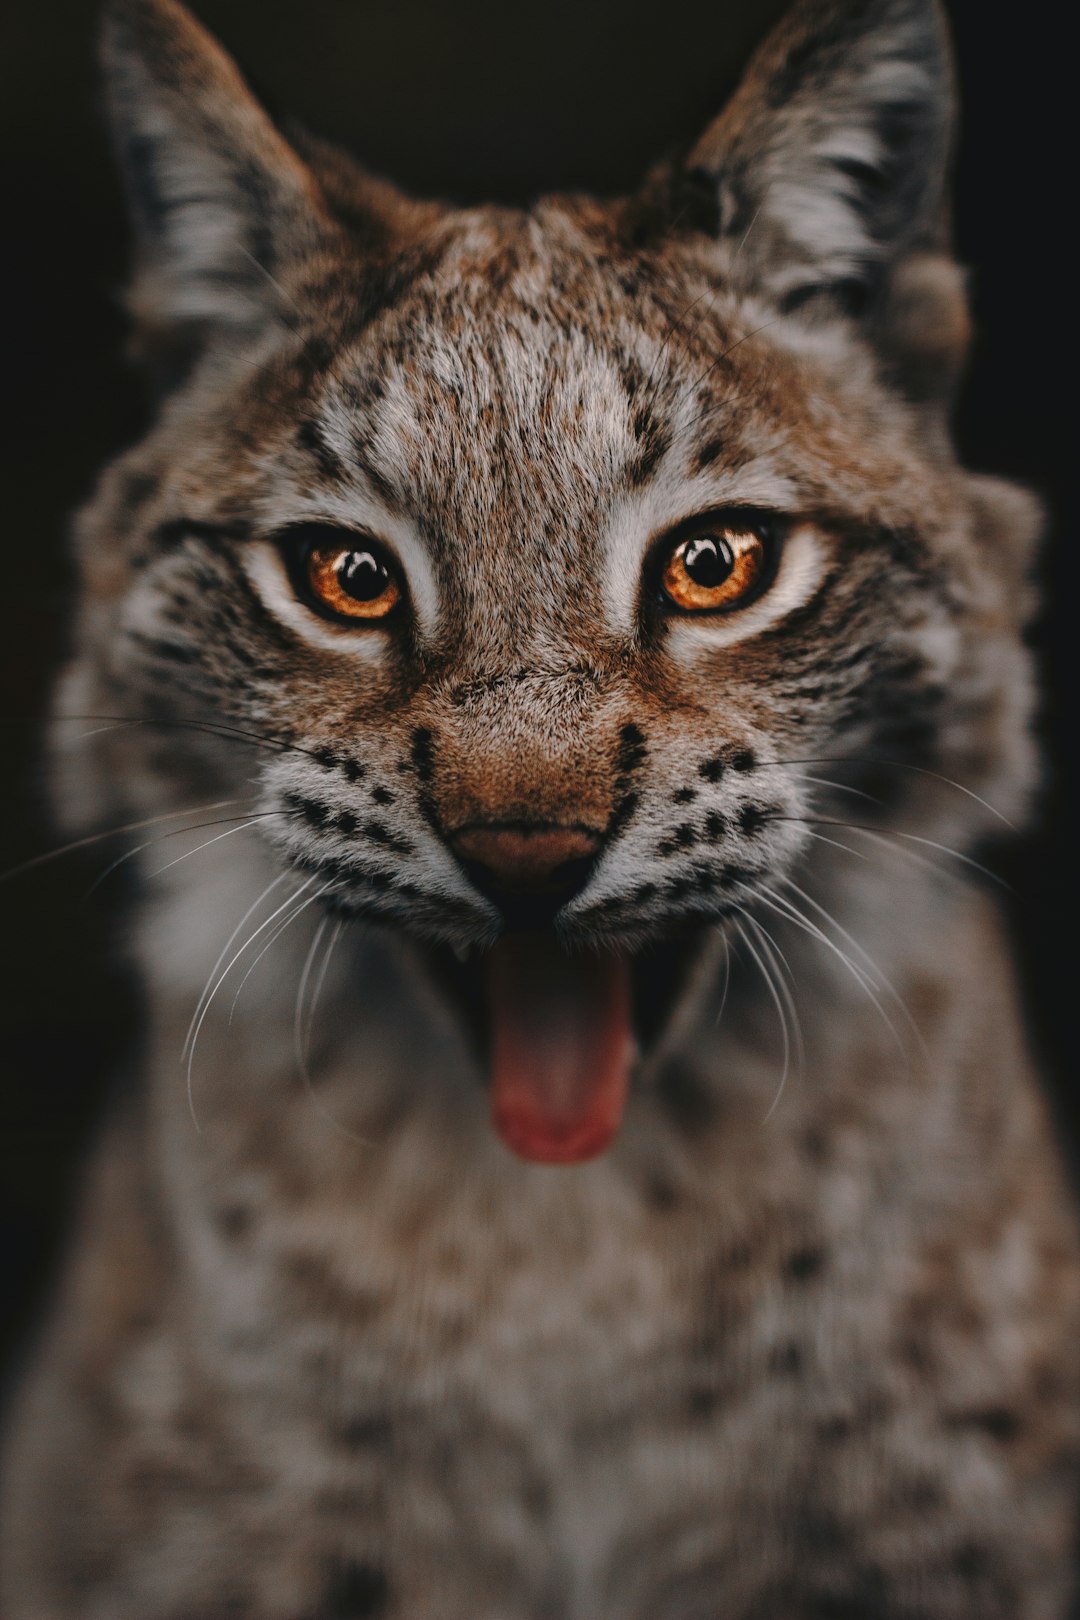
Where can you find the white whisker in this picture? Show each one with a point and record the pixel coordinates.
(114, 832)
(298, 1016)
(286, 922)
(250, 912)
(152, 843)
(836, 844)
(838, 787)
(870, 985)
(783, 967)
(727, 977)
(303, 1040)
(897, 765)
(780, 1012)
(229, 833)
(208, 1003)
(886, 833)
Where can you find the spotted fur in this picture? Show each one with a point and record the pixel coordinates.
(787, 1350)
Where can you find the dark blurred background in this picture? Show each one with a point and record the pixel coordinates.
(473, 99)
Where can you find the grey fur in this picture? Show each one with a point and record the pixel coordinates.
(802, 1342)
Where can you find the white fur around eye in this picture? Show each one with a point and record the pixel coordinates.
(267, 573)
(803, 564)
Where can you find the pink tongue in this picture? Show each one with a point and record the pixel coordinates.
(561, 1048)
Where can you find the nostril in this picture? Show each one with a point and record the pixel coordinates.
(522, 858)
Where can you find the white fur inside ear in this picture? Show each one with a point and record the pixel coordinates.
(803, 565)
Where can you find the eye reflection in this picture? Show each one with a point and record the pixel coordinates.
(719, 566)
(341, 574)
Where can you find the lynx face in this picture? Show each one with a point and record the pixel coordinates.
(540, 564)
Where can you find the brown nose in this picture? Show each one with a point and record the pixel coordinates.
(514, 858)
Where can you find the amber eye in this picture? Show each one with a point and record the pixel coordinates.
(722, 565)
(344, 575)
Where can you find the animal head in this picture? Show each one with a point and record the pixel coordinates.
(541, 555)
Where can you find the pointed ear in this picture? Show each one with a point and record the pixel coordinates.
(829, 162)
(219, 198)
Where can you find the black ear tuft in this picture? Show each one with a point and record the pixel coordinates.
(829, 163)
(217, 195)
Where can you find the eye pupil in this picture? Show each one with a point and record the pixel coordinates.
(708, 560)
(362, 575)
(717, 565)
(342, 575)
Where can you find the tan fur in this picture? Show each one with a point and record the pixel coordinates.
(802, 1342)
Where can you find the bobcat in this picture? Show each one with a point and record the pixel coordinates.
(585, 1163)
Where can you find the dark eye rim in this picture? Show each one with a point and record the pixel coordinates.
(771, 529)
(295, 545)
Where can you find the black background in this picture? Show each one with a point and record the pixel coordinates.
(472, 100)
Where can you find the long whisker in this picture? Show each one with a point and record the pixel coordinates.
(836, 844)
(868, 985)
(176, 832)
(675, 326)
(790, 913)
(209, 999)
(896, 765)
(303, 1044)
(882, 835)
(340, 925)
(230, 832)
(885, 833)
(213, 728)
(874, 967)
(233, 937)
(839, 787)
(286, 922)
(871, 973)
(727, 979)
(781, 965)
(301, 989)
(745, 237)
(289, 919)
(114, 832)
(720, 358)
(282, 292)
(777, 1003)
(769, 944)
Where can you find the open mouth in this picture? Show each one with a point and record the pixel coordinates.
(559, 1033)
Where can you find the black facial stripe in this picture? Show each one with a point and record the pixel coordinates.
(379, 834)
(632, 752)
(683, 837)
(422, 753)
(804, 617)
(174, 531)
(326, 818)
(315, 814)
(620, 816)
(310, 439)
(752, 818)
(350, 768)
(365, 462)
(171, 651)
(707, 454)
(353, 870)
